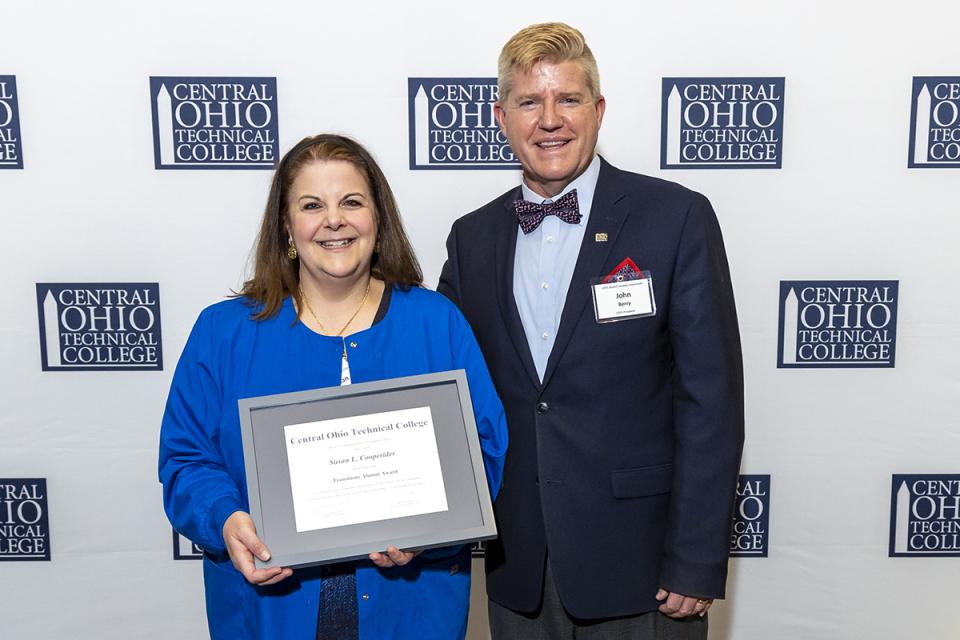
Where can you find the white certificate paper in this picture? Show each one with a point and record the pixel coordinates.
(365, 468)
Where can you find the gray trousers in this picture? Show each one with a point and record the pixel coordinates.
(552, 622)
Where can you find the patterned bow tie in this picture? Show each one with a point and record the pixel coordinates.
(531, 214)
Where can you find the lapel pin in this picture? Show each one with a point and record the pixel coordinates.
(600, 237)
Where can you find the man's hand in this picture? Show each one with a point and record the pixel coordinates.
(392, 557)
(240, 537)
(678, 606)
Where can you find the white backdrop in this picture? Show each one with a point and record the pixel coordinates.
(89, 207)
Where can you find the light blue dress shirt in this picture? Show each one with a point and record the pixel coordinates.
(543, 266)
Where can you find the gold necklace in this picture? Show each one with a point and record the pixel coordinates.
(339, 334)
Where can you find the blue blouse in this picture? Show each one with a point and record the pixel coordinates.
(229, 356)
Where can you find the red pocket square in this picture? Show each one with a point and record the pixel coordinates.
(626, 270)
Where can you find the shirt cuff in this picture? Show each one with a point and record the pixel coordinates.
(220, 510)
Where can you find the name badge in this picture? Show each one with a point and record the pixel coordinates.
(625, 299)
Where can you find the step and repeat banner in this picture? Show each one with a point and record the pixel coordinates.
(136, 148)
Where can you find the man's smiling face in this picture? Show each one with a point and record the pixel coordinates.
(552, 121)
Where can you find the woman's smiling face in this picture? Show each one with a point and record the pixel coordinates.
(332, 220)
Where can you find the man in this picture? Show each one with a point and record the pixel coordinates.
(625, 425)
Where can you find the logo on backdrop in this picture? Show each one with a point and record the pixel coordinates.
(925, 515)
(935, 122)
(837, 323)
(751, 517)
(721, 123)
(11, 149)
(452, 125)
(214, 123)
(184, 549)
(97, 327)
(24, 526)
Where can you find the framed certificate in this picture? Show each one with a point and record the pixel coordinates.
(336, 473)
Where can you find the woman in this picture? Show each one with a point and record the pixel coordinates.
(335, 298)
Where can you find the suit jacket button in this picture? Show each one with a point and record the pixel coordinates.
(542, 408)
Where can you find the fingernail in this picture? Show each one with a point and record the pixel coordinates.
(264, 556)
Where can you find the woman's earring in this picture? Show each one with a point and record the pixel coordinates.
(291, 249)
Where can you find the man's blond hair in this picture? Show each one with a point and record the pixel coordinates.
(553, 42)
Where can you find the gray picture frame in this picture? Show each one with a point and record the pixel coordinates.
(469, 516)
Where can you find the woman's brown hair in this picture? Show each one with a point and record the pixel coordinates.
(276, 276)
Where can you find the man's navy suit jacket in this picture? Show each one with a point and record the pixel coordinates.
(623, 462)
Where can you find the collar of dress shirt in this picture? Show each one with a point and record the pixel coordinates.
(585, 184)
